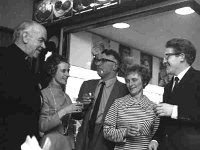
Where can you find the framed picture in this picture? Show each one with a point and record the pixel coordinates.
(163, 77)
(125, 54)
(146, 60)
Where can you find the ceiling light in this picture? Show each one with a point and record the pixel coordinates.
(121, 25)
(184, 11)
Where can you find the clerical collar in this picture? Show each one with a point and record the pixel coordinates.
(21, 52)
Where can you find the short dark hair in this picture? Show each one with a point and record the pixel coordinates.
(52, 62)
(140, 70)
(114, 54)
(183, 46)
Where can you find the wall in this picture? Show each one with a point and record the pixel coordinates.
(80, 49)
(81, 44)
(12, 12)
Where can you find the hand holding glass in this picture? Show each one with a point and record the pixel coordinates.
(134, 129)
(87, 99)
(77, 107)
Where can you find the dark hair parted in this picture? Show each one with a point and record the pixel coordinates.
(141, 71)
(183, 46)
(113, 53)
(52, 62)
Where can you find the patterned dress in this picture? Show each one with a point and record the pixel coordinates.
(128, 110)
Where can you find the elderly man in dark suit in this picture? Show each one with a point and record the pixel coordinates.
(90, 136)
(19, 93)
(180, 111)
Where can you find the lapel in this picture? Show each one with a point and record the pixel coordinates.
(91, 87)
(112, 97)
(167, 91)
(186, 77)
(171, 96)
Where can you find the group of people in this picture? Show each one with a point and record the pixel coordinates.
(115, 116)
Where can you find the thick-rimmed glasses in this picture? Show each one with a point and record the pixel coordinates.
(167, 55)
(102, 61)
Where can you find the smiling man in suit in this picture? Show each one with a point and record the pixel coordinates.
(180, 111)
(90, 136)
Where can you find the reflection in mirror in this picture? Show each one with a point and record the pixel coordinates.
(146, 35)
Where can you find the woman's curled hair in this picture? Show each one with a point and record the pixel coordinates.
(140, 70)
(52, 62)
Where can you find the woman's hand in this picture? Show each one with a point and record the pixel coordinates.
(73, 108)
(133, 130)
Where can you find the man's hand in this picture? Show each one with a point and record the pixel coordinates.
(164, 109)
(153, 145)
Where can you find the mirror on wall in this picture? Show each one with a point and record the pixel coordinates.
(144, 40)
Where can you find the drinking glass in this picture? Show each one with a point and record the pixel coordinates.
(87, 100)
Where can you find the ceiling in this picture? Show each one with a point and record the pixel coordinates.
(150, 33)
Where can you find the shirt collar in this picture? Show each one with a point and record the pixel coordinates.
(109, 82)
(180, 75)
(132, 100)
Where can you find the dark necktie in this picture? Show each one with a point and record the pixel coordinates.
(95, 112)
(176, 79)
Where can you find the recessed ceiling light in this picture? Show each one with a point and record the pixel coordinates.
(121, 25)
(184, 11)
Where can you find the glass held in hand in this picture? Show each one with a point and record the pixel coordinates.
(87, 98)
(134, 129)
(77, 107)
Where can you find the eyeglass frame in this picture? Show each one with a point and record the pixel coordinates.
(102, 61)
(167, 55)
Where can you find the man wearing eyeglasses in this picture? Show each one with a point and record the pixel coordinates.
(180, 111)
(91, 137)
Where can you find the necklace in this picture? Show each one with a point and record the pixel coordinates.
(55, 99)
(65, 126)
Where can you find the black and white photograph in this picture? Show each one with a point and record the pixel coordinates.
(99, 74)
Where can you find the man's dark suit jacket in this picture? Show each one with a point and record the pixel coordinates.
(182, 133)
(19, 99)
(119, 90)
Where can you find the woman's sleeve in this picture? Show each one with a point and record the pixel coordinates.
(156, 122)
(111, 132)
(150, 126)
(155, 125)
(48, 117)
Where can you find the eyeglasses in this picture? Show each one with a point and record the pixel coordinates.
(167, 55)
(102, 61)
